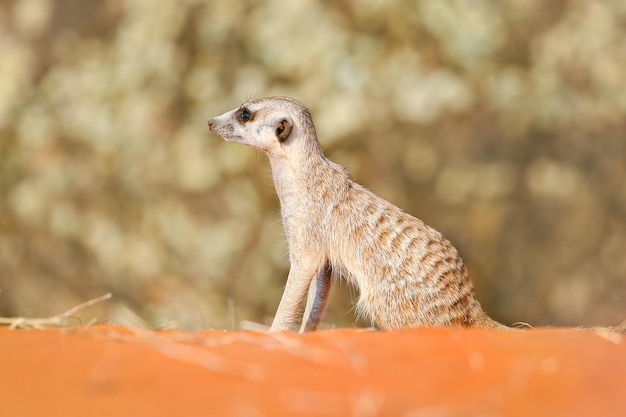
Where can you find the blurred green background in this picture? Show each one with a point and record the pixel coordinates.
(502, 124)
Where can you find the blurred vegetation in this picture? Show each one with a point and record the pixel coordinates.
(502, 124)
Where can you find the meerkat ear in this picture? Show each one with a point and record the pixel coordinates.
(283, 129)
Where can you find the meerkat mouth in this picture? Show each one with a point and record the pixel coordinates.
(225, 131)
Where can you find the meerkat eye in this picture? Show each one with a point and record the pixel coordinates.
(245, 115)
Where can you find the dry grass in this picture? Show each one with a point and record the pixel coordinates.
(59, 320)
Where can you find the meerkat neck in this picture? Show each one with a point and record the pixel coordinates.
(299, 158)
(305, 170)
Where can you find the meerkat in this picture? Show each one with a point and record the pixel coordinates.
(407, 273)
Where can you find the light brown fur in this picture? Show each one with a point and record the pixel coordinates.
(407, 273)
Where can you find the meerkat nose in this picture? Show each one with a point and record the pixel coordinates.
(211, 124)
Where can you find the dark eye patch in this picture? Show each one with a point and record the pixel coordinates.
(245, 115)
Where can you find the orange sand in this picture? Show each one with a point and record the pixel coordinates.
(113, 371)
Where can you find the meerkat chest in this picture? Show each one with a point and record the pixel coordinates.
(302, 214)
(306, 200)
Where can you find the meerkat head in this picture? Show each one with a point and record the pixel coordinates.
(272, 124)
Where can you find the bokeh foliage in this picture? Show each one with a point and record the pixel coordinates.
(502, 124)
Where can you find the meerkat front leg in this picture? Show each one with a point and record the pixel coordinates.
(316, 300)
(298, 282)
